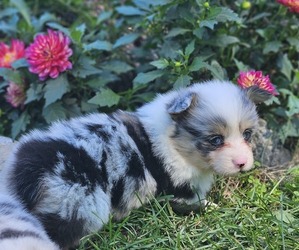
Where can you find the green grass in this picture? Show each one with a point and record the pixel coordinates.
(255, 211)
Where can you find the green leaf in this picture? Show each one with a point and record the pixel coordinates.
(105, 98)
(11, 75)
(72, 107)
(272, 46)
(294, 41)
(261, 32)
(88, 107)
(84, 67)
(143, 78)
(219, 14)
(55, 89)
(170, 49)
(8, 28)
(160, 64)
(145, 97)
(147, 5)
(8, 12)
(126, 39)
(44, 18)
(98, 45)
(176, 31)
(99, 82)
(104, 16)
(190, 48)
(224, 40)
(182, 81)
(216, 70)
(258, 17)
(117, 66)
(288, 130)
(130, 11)
(143, 4)
(20, 124)
(208, 23)
(287, 67)
(199, 32)
(35, 92)
(20, 63)
(59, 27)
(23, 9)
(223, 14)
(293, 105)
(54, 111)
(77, 33)
(241, 66)
(197, 64)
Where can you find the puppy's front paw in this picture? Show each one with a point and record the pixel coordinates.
(209, 205)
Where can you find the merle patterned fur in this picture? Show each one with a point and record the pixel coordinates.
(19, 229)
(74, 175)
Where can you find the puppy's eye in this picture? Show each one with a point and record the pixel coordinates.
(216, 140)
(247, 134)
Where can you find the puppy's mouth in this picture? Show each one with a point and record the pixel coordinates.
(232, 171)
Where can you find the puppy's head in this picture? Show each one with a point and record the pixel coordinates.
(213, 124)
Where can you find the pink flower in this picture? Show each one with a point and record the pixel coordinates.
(9, 54)
(48, 55)
(250, 78)
(293, 5)
(15, 94)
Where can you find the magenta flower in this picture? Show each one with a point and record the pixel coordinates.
(293, 5)
(49, 54)
(250, 78)
(15, 94)
(9, 54)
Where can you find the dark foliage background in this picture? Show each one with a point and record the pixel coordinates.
(126, 51)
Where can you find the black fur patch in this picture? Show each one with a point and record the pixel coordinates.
(33, 160)
(151, 162)
(205, 127)
(66, 233)
(103, 171)
(136, 166)
(100, 131)
(117, 192)
(182, 191)
(81, 168)
(124, 149)
(205, 147)
(36, 158)
(203, 131)
(11, 233)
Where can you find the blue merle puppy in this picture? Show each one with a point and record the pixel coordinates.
(74, 175)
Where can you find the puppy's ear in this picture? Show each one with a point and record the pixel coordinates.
(257, 95)
(181, 104)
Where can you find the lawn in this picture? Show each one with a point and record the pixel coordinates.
(257, 210)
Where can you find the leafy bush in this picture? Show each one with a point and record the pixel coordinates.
(126, 51)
